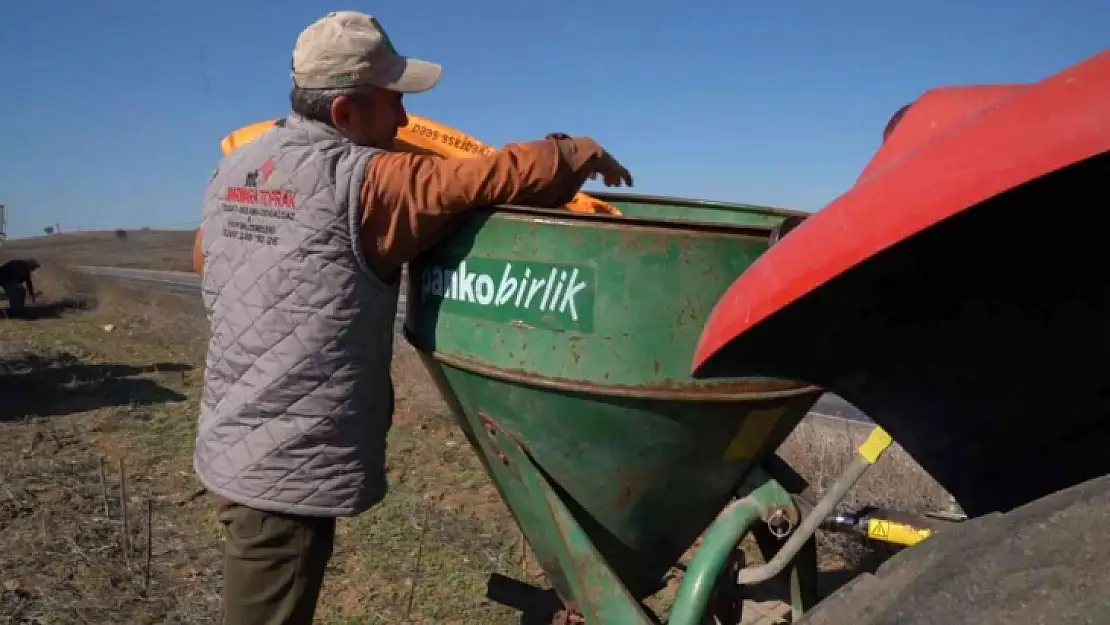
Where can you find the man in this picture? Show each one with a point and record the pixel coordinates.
(304, 235)
(13, 275)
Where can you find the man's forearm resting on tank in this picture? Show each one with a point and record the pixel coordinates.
(410, 199)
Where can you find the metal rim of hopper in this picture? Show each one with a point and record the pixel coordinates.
(786, 388)
(603, 220)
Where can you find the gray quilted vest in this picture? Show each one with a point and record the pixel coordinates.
(297, 396)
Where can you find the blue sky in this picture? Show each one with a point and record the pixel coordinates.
(114, 109)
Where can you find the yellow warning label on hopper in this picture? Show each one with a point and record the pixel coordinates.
(753, 433)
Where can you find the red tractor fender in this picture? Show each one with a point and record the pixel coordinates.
(953, 148)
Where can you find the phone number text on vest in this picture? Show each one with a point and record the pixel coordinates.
(254, 224)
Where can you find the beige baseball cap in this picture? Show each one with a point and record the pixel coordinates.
(351, 49)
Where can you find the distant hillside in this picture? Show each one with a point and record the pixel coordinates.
(168, 250)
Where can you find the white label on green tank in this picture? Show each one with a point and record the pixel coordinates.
(553, 296)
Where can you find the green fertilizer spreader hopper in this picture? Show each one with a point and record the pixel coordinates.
(563, 343)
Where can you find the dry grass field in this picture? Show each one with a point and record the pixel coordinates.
(168, 250)
(107, 378)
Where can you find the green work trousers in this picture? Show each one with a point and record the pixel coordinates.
(273, 565)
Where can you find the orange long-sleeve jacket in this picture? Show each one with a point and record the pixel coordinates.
(409, 199)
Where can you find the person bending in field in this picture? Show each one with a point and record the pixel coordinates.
(14, 274)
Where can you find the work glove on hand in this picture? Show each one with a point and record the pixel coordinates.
(611, 171)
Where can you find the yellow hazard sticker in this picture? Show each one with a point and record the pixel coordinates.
(897, 533)
(875, 445)
(753, 433)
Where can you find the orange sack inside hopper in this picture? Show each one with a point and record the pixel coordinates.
(424, 136)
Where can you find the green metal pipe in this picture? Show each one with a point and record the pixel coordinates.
(868, 453)
(718, 544)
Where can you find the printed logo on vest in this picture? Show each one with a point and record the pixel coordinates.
(251, 214)
(260, 175)
(266, 169)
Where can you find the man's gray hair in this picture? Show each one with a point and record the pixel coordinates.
(315, 104)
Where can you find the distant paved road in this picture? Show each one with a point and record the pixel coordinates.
(181, 282)
(829, 406)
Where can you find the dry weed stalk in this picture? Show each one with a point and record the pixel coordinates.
(104, 488)
(123, 510)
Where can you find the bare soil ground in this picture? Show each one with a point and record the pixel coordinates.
(106, 373)
(167, 250)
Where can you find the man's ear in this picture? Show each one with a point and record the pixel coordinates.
(342, 111)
